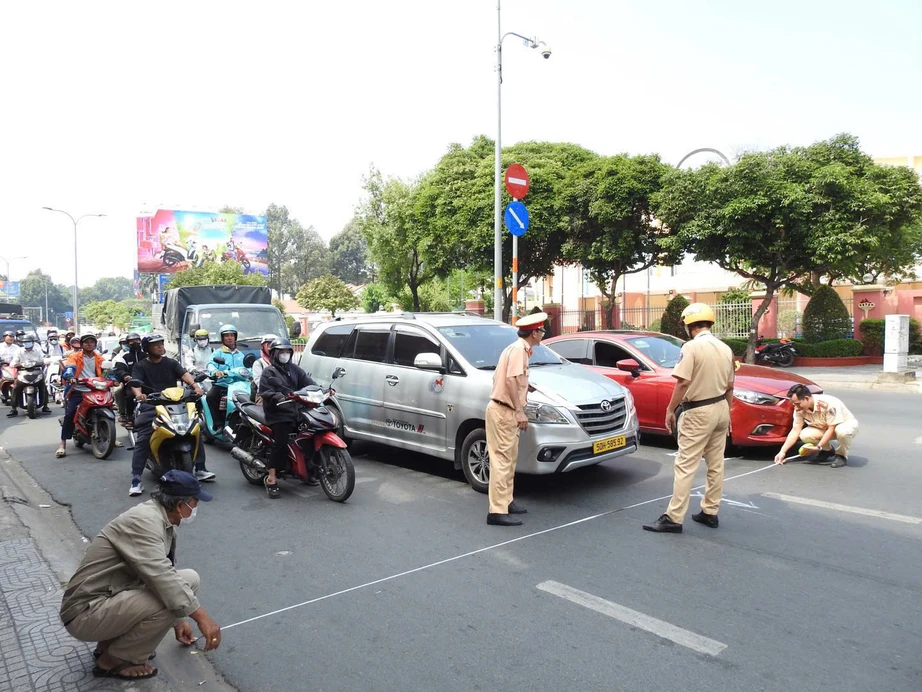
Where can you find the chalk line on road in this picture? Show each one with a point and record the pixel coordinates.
(844, 508)
(471, 554)
(634, 618)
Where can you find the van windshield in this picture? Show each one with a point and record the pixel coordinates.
(482, 344)
(251, 323)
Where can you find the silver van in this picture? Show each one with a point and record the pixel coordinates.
(422, 381)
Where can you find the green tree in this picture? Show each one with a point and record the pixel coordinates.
(280, 239)
(308, 258)
(103, 313)
(826, 317)
(672, 317)
(456, 200)
(787, 216)
(215, 273)
(613, 230)
(349, 255)
(734, 318)
(110, 288)
(32, 291)
(227, 209)
(374, 297)
(327, 293)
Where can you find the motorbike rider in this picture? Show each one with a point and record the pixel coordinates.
(9, 348)
(157, 373)
(84, 363)
(198, 357)
(280, 378)
(265, 360)
(233, 359)
(73, 347)
(28, 356)
(53, 346)
(122, 366)
(122, 346)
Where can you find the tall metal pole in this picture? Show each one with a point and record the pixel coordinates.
(75, 222)
(514, 307)
(497, 176)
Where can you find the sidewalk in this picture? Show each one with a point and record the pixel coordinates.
(862, 377)
(40, 548)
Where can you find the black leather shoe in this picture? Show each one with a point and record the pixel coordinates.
(45, 409)
(838, 462)
(663, 525)
(312, 481)
(12, 414)
(503, 520)
(516, 509)
(706, 519)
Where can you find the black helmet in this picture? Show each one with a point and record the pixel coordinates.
(87, 336)
(280, 344)
(150, 339)
(133, 336)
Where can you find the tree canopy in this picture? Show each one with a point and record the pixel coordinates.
(103, 313)
(215, 273)
(349, 255)
(327, 293)
(115, 288)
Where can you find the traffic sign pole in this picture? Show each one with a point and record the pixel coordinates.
(517, 184)
(514, 309)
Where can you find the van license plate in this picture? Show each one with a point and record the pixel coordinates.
(609, 444)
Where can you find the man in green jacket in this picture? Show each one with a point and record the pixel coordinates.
(127, 592)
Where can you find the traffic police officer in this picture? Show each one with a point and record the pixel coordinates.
(506, 418)
(819, 419)
(704, 377)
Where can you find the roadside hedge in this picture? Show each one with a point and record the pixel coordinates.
(836, 348)
(826, 318)
(872, 335)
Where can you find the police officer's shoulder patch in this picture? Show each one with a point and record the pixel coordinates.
(681, 356)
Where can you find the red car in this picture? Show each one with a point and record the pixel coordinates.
(642, 362)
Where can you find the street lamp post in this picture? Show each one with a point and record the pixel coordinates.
(498, 163)
(75, 222)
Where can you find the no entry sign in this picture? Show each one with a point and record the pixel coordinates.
(517, 181)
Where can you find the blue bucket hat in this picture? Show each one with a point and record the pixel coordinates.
(183, 484)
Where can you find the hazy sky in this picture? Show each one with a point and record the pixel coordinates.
(116, 107)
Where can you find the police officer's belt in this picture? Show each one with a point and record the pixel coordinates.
(688, 405)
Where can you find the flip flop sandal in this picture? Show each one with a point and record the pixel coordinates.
(60, 453)
(97, 653)
(119, 443)
(116, 672)
(272, 490)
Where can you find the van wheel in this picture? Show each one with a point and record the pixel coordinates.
(475, 461)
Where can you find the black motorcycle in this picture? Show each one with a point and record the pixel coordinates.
(781, 354)
(34, 393)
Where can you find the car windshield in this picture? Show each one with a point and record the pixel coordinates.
(482, 344)
(662, 349)
(251, 323)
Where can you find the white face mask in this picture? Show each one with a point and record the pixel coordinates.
(191, 518)
(284, 357)
(202, 343)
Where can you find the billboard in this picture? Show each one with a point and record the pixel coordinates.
(170, 241)
(10, 289)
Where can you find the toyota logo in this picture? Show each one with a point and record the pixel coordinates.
(606, 405)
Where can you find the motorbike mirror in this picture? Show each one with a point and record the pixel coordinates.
(201, 377)
(194, 327)
(135, 383)
(248, 360)
(219, 360)
(296, 329)
(339, 372)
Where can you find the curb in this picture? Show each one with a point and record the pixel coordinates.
(51, 554)
(907, 388)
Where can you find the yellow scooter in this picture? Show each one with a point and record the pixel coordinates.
(174, 443)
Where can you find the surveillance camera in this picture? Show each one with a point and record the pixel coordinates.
(545, 50)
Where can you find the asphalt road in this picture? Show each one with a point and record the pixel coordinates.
(405, 587)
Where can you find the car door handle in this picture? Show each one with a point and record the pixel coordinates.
(392, 380)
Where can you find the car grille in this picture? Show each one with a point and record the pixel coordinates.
(596, 421)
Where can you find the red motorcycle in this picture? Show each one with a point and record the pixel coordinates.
(315, 451)
(94, 422)
(238, 255)
(7, 382)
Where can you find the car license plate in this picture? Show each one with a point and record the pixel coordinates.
(609, 444)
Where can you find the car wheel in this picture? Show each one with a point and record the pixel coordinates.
(475, 460)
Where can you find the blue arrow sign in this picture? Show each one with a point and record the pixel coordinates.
(516, 218)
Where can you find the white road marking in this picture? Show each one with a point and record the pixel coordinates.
(728, 501)
(844, 508)
(661, 628)
(472, 553)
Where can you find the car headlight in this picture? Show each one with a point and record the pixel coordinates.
(544, 413)
(628, 400)
(751, 397)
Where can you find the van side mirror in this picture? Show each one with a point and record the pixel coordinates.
(296, 329)
(428, 361)
(339, 372)
(629, 365)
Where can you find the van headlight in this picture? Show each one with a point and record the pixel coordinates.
(544, 413)
(751, 397)
(628, 401)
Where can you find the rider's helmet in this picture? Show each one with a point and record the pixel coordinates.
(698, 312)
(51, 332)
(88, 336)
(150, 339)
(122, 339)
(228, 329)
(133, 336)
(9, 332)
(278, 346)
(201, 333)
(20, 333)
(74, 342)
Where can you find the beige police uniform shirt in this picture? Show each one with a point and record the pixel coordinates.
(513, 362)
(828, 411)
(707, 363)
(131, 552)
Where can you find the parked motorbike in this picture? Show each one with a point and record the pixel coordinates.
(174, 443)
(239, 381)
(315, 451)
(34, 394)
(94, 422)
(781, 354)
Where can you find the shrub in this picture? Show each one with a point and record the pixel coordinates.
(826, 317)
(787, 322)
(834, 348)
(738, 346)
(872, 335)
(672, 317)
(656, 326)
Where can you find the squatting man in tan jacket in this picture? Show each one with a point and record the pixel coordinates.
(818, 420)
(127, 592)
